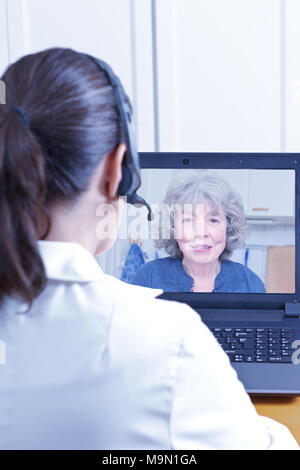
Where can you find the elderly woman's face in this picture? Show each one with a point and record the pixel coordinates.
(202, 233)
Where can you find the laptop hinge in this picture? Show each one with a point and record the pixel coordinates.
(292, 310)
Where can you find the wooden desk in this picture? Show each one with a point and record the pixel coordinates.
(285, 410)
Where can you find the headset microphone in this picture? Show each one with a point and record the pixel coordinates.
(132, 198)
(131, 173)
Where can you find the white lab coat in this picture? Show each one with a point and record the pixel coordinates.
(101, 364)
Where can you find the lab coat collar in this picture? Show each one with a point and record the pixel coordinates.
(69, 261)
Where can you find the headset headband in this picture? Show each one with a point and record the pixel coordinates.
(131, 173)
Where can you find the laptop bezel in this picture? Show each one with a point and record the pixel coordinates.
(250, 161)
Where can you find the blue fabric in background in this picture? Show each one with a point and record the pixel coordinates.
(246, 257)
(134, 260)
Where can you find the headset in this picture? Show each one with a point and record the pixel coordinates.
(131, 173)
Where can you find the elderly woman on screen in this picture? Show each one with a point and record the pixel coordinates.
(203, 236)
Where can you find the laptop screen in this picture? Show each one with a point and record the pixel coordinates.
(219, 230)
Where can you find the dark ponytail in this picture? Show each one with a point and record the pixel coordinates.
(74, 123)
(22, 192)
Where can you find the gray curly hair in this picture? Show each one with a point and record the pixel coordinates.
(196, 187)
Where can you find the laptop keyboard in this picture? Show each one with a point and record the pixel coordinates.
(270, 345)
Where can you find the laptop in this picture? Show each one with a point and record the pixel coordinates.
(257, 322)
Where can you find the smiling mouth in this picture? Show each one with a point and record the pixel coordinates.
(203, 248)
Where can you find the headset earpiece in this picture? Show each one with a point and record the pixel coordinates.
(125, 182)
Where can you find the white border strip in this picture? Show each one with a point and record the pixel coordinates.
(4, 56)
(282, 76)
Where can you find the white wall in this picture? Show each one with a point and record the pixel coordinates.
(94, 26)
(117, 31)
(4, 58)
(219, 75)
(292, 67)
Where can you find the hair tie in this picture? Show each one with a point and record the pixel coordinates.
(22, 113)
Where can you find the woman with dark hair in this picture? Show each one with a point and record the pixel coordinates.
(92, 362)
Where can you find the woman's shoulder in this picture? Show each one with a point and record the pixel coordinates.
(157, 273)
(164, 273)
(141, 309)
(235, 266)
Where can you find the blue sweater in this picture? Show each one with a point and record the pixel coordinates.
(168, 274)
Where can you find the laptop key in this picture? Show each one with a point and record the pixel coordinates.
(241, 334)
(248, 359)
(271, 345)
(237, 359)
(261, 347)
(247, 352)
(273, 340)
(229, 352)
(280, 359)
(275, 347)
(260, 342)
(274, 335)
(261, 336)
(247, 344)
(261, 359)
(274, 353)
(286, 335)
